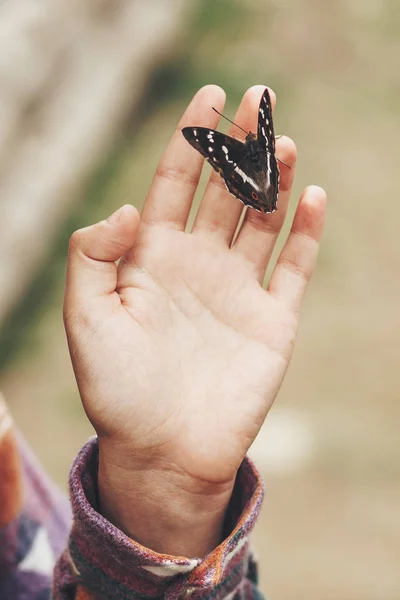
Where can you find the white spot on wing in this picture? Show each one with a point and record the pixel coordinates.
(210, 149)
(269, 172)
(247, 179)
(226, 151)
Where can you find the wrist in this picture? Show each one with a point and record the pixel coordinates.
(163, 509)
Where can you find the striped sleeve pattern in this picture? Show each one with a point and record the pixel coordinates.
(103, 563)
(35, 519)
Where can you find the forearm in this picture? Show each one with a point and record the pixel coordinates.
(162, 510)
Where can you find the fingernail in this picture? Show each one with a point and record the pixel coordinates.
(115, 217)
(316, 192)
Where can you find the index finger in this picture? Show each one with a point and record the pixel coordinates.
(171, 194)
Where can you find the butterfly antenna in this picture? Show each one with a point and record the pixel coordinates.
(238, 126)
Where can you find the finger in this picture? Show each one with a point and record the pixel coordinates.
(91, 270)
(258, 233)
(219, 211)
(298, 257)
(171, 194)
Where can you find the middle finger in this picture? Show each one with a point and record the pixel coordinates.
(219, 211)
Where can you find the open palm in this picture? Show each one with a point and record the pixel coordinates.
(179, 351)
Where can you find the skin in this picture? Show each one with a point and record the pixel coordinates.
(178, 351)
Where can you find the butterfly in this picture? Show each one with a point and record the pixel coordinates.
(250, 169)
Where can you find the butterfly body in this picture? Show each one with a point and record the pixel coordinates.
(249, 168)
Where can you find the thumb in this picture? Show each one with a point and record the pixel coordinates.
(91, 271)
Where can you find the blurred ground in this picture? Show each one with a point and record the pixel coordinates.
(330, 526)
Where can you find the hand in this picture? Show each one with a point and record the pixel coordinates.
(178, 351)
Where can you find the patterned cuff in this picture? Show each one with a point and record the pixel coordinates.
(105, 560)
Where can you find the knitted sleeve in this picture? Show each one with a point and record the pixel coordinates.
(101, 562)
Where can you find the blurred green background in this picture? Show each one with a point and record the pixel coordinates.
(330, 453)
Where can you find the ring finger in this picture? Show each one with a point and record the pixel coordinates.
(259, 232)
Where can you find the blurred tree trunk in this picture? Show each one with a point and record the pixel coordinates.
(70, 72)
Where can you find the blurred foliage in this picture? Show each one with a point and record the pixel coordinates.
(18, 333)
(213, 25)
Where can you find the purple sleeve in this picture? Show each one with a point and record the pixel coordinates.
(35, 519)
(103, 563)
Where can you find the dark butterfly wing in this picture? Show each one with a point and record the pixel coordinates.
(253, 188)
(272, 181)
(229, 157)
(255, 180)
(265, 129)
(266, 143)
(223, 152)
(249, 169)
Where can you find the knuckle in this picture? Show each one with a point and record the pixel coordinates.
(219, 183)
(296, 268)
(272, 224)
(176, 174)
